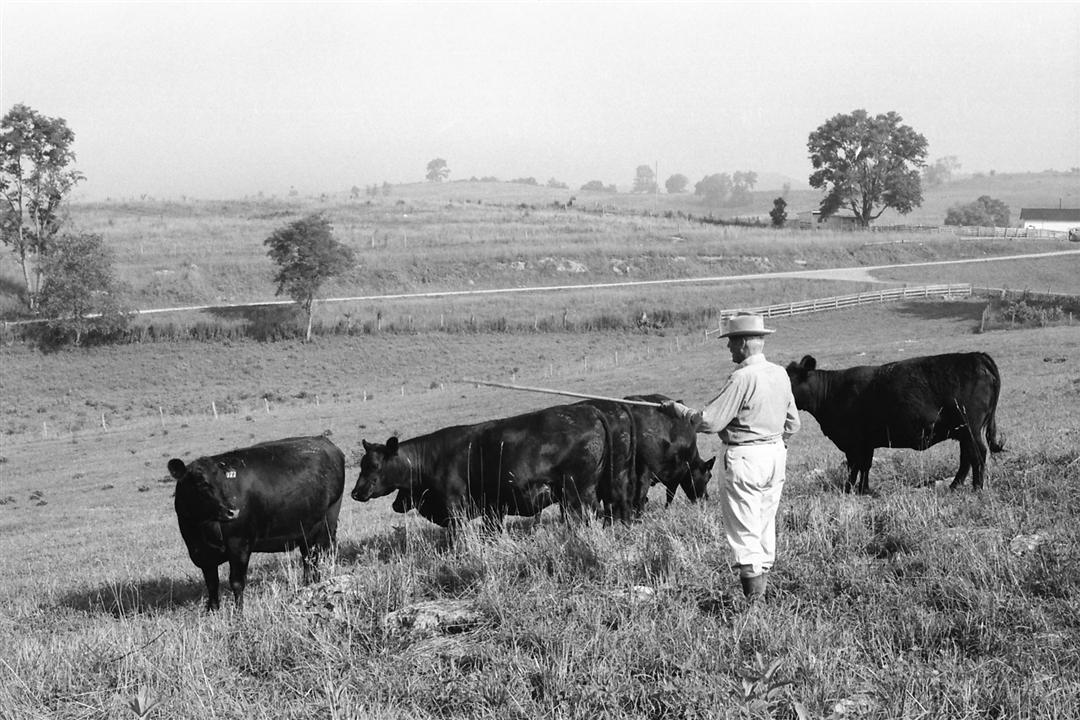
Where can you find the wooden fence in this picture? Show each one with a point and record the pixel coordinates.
(1009, 232)
(844, 301)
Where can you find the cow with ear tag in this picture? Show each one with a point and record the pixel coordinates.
(271, 497)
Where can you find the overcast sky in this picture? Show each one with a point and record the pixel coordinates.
(223, 100)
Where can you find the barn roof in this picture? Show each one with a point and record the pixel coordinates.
(1051, 214)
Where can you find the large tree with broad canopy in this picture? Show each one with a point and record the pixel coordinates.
(867, 164)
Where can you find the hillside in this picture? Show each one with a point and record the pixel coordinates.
(474, 235)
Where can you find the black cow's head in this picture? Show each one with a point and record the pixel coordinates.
(799, 375)
(382, 469)
(201, 490)
(700, 472)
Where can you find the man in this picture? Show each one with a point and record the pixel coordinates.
(754, 414)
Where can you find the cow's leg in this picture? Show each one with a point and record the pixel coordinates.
(671, 490)
(310, 556)
(210, 575)
(238, 565)
(315, 550)
(854, 465)
(859, 468)
(578, 503)
(972, 455)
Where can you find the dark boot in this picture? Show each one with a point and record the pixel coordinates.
(754, 588)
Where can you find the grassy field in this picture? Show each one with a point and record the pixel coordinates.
(912, 602)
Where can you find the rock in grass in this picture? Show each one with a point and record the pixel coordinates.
(431, 618)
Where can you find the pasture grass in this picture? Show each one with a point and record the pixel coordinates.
(904, 605)
(912, 602)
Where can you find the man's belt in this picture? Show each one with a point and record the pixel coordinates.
(756, 441)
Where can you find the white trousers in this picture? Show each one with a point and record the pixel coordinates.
(753, 481)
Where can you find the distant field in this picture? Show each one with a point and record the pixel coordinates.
(449, 236)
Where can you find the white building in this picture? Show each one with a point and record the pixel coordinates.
(1060, 219)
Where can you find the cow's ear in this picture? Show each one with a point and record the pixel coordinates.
(177, 468)
(391, 446)
(808, 362)
(709, 462)
(367, 445)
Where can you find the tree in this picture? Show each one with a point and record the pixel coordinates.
(79, 294)
(593, 186)
(714, 189)
(35, 179)
(941, 171)
(985, 211)
(307, 254)
(867, 164)
(437, 171)
(742, 183)
(676, 184)
(778, 212)
(644, 180)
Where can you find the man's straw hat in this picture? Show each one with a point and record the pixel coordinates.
(745, 325)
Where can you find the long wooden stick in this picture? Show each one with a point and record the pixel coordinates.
(549, 391)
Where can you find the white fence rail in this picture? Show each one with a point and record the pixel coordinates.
(843, 301)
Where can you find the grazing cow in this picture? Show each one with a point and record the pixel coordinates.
(513, 466)
(667, 453)
(911, 403)
(269, 497)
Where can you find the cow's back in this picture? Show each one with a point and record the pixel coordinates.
(920, 401)
(531, 460)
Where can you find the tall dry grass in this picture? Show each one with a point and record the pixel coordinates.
(914, 603)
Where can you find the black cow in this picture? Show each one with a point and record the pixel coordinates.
(911, 403)
(269, 497)
(667, 453)
(511, 466)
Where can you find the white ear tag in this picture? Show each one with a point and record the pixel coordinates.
(230, 474)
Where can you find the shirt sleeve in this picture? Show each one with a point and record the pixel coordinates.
(722, 409)
(792, 423)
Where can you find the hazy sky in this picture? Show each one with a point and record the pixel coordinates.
(220, 100)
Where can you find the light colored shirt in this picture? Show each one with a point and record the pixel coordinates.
(754, 406)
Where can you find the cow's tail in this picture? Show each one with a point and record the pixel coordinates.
(606, 486)
(633, 492)
(995, 440)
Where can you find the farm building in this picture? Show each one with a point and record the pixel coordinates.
(812, 220)
(1059, 219)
